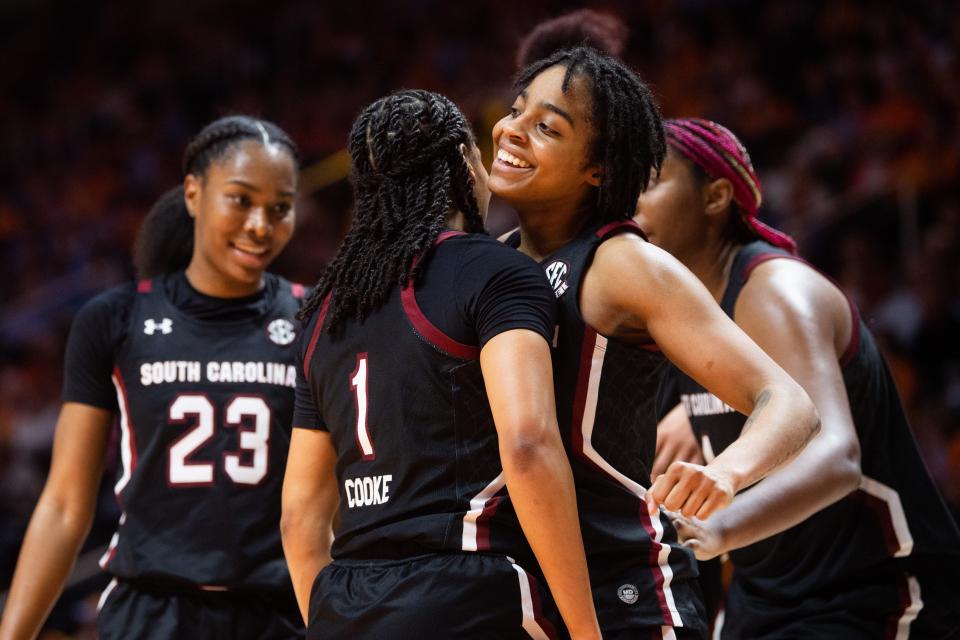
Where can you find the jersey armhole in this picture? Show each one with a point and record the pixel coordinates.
(608, 231)
(853, 346)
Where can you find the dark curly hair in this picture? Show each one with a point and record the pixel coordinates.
(408, 176)
(165, 239)
(602, 31)
(629, 140)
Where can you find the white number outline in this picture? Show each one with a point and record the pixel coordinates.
(200, 407)
(359, 378)
(255, 440)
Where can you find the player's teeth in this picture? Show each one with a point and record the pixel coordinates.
(512, 159)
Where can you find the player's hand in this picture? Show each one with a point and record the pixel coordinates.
(705, 539)
(691, 489)
(675, 441)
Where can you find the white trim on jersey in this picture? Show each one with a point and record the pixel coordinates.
(718, 624)
(126, 443)
(106, 594)
(477, 504)
(530, 624)
(897, 516)
(912, 611)
(668, 633)
(586, 429)
(114, 541)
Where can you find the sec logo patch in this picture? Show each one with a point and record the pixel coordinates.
(281, 332)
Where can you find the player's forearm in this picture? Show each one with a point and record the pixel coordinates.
(306, 538)
(824, 472)
(47, 556)
(783, 420)
(541, 488)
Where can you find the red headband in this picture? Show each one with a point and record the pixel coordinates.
(720, 154)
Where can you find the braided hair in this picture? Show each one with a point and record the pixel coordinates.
(629, 140)
(408, 176)
(712, 151)
(165, 239)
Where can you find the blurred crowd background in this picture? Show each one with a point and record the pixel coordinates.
(850, 109)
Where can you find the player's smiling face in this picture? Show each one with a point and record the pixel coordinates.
(541, 147)
(243, 208)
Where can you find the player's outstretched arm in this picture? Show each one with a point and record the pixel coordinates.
(803, 322)
(518, 375)
(310, 501)
(634, 286)
(61, 520)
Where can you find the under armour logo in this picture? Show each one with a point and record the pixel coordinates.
(281, 332)
(151, 326)
(557, 275)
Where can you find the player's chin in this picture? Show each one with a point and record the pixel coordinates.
(248, 274)
(510, 189)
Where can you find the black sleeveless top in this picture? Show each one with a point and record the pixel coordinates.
(205, 405)
(607, 393)
(896, 516)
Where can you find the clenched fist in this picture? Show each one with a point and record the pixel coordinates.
(691, 489)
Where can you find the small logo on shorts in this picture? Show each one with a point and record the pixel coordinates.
(281, 331)
(557, 276)
(628, 593)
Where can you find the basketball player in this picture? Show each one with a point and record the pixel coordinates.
(851, 540)
(427, 395)
(580, 141)
(197, 361)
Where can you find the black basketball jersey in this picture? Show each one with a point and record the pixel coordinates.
(205, 409)
(896, 516)
(418, 464)
(607, 410)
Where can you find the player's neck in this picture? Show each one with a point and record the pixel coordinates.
(209, 281)
(545, 229)
(712, 264)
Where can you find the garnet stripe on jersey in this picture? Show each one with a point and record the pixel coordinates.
(423, 326)
(617, 225)
(128, 444)
(476, 521)
(533, 621)
(585, 406)
(431, 333)
(317, 330)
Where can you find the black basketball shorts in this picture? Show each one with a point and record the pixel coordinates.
(462, 596)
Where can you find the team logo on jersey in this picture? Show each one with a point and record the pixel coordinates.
(628, 593)
(151, 326)
(281, 332)
(557, 276)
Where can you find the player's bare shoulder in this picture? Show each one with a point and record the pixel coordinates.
(791, 291)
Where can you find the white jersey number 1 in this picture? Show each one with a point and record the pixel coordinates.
(359, 384)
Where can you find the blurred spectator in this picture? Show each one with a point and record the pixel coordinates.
(851, 110)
